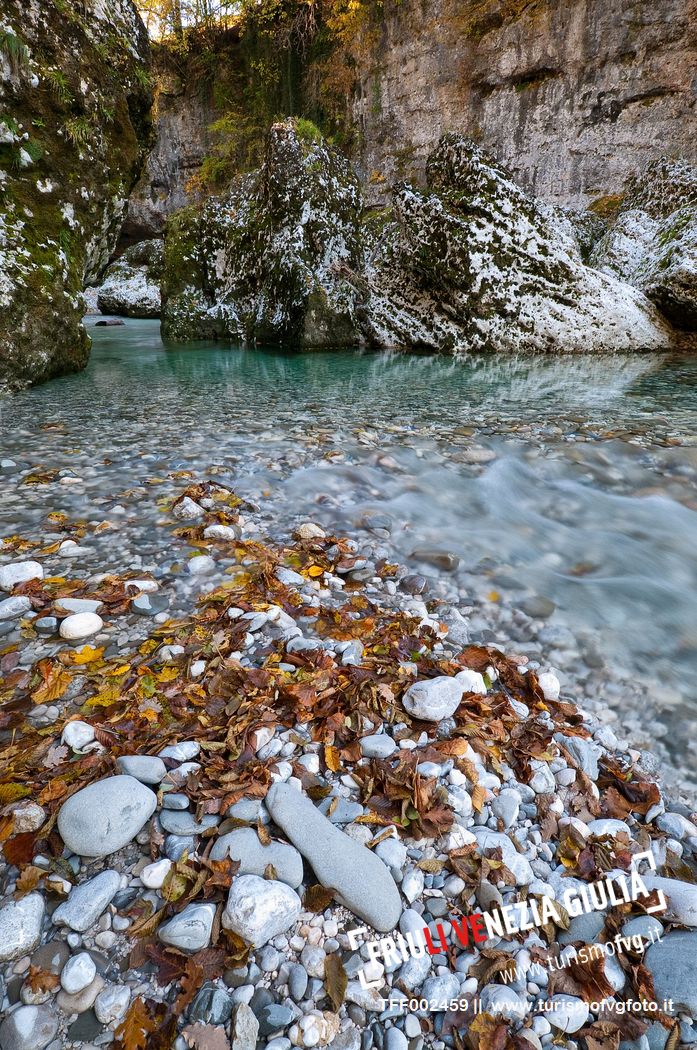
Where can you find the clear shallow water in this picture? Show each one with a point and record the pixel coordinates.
(590, 500)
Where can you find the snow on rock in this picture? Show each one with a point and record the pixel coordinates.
(474, 263)
(131, 285)
(271, 260)
(471, 263)
(653, 242)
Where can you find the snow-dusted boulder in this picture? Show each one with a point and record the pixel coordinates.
(131, 285)
(474, 263)
(471, 263)
(653, 242)
(270, 261)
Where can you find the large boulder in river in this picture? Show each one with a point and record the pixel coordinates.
(473, 263)
(131, 284)
(272, 261)
(470, 264)
(653, 241)
(75, 102)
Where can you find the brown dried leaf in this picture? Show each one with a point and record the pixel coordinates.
(317, 898)
(205, 1037)
(335, 979)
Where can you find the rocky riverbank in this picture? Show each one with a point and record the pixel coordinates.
(196, 815)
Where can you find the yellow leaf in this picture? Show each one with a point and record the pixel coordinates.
(53, 686)
(86, 655)
(167, 674)
(116, 672)
(12, 792)
(493, 596)
(315, 570)
(51, 549)
(478, 797)
(105, 698)
(332, 758)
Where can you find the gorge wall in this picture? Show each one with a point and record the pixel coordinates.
(572, 95)
(74, 124)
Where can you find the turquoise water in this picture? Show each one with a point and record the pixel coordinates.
(589, 498)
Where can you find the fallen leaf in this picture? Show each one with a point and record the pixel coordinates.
(335, 979)
(205, 1037)
(317, 898)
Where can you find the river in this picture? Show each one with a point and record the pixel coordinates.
(565, 485)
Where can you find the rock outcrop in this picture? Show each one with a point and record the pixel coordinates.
(271, 261)
(574, 97)
(653, 242)
(75, 101)
(131, 284)
(471, 263)
(183, 112)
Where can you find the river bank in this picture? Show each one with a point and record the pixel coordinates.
(254, 659)
(312, 674)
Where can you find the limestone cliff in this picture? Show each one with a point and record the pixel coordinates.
(74, 121)
(573, 96)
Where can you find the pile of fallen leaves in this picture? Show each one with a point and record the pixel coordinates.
(140, 701)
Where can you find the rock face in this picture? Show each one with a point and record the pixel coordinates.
(572, 97)
(472, 264)
(75, 101)
(653, 242)
(131, 285)
(183, 112)
(269, 262)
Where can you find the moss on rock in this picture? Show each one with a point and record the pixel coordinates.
(270, 262)
(653, 242)
(74, 120)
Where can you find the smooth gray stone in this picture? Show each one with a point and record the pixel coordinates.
(87, 901)
(379, 745)
(175, 800)
(360, 879)
(181, 822)
(105, 816)
(395, 1040)
(29, 1028)
(274, 1017)
(584, 928)
(584, 753)
(46, 625)
(177, 845)
(344, 812)
(643, 926)
(145, 768)
(211, 1006)
(20, 926)
(672, 963)
(80, 605)
(13, 608)
(243, 844)
(245, 809)
(297, 982)
(190, 929)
